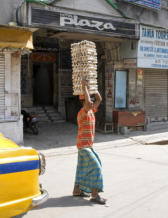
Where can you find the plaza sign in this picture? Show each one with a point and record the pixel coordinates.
(85, 24)
(93, 23)
(153, 48)
(155, 4)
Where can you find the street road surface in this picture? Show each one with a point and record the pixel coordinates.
(135, 183)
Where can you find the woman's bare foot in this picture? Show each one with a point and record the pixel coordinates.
(76, 190)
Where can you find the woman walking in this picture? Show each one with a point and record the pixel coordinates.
(89, 177)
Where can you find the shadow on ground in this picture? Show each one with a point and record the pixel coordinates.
(64, 135)
(65, 201)
(60, 135)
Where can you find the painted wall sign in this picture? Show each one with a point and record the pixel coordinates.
(153, 48)
(155, 4)
(43, 57)
(130, 63)
(66, 21)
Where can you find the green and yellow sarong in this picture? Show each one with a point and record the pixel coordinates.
(89, 171)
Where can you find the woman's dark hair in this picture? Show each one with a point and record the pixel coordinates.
(93, 98)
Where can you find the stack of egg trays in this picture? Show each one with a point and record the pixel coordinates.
(84, 65)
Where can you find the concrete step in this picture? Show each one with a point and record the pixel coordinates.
(50, 111)
(54, 115)
(58, 121)
(46, 114)
(157, 125)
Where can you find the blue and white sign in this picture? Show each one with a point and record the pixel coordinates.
(155, 4)
(153, 48)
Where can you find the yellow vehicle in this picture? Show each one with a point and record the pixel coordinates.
(20, 168)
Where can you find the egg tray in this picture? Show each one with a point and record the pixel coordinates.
(84, 65)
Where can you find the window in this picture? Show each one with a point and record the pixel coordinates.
(120, 89)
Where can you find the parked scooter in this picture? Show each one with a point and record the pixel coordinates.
(30, 122)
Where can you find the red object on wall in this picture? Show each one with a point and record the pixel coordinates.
(43, 57)
(128, 118)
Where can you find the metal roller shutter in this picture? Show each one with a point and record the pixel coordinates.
(2, 86)
(156, 88)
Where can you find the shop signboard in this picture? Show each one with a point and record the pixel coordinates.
(154, 4)
(153, 48)
(78, 23)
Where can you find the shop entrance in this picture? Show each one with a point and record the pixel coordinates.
(43, 84)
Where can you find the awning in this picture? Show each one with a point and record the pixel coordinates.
(15, 38)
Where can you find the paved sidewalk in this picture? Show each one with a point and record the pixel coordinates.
(150, 136)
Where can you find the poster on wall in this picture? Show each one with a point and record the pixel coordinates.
(153, 48)
(155, 4)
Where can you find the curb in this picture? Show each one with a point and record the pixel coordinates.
(144, 138)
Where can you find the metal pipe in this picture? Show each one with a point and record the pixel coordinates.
(116, 8)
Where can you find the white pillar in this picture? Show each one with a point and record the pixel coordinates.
(7, 84)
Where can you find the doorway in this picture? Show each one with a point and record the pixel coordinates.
(43, 84)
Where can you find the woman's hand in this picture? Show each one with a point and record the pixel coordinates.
(84, 82)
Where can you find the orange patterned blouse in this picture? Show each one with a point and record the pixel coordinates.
(86, 128)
